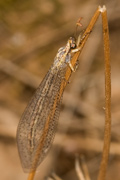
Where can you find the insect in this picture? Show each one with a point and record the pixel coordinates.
(39, 121)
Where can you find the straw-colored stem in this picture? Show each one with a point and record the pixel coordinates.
(31, 175)
(79, 170)
(107, 133)
(85, 168)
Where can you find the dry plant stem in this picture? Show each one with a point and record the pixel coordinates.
(85, 169)
(79, 170)
(68, 74)
(107, 133)
(31, 175)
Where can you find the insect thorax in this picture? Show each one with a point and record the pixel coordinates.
(61, 58)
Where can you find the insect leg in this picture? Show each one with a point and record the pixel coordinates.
(69, 63)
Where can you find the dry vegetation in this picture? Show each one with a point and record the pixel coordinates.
(30, 34)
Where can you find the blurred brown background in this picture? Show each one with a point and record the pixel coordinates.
(30, 34)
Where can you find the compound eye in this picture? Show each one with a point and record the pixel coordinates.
(73, 45)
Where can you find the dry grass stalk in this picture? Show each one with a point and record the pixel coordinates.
(79, 170)
(107, 134)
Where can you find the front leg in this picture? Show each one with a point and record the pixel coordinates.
(71, 67)
(68, 60)
(75, 50)
(79, 41)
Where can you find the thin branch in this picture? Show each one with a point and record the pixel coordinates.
(84, 167)
(31, 175)
(79, 170)
(107, 133)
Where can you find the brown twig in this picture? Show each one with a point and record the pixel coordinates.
(107, 133)
(84, 167)
(79, 169)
